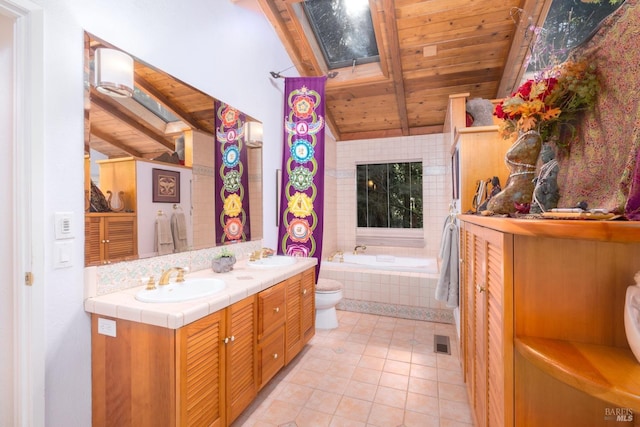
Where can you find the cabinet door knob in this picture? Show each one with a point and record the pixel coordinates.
(233, 338)
(304, 291)
(226, 340)
(277, 309)
(275, 355)
(480, 288)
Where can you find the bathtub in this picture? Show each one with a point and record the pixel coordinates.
(384, 262)
(388, 285)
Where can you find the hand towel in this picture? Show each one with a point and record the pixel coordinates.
(164, 239)
(179, 231)
(448, 287)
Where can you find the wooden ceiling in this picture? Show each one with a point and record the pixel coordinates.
(429, 49)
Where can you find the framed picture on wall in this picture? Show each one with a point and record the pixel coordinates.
(166, 186)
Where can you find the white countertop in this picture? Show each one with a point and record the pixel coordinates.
(242, 281)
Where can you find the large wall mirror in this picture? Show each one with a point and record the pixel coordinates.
(149, 162)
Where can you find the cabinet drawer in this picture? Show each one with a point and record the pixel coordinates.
(271, 355)
(271, 308)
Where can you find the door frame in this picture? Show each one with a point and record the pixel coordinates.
(27, 203)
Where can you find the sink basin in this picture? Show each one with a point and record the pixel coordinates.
(185, 291)
(273, 262)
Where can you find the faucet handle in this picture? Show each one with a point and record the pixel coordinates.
(151, 283)
(181, 272)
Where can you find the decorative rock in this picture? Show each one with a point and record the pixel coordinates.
(223, 264)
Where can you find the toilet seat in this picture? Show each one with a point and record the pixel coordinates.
(328, 285)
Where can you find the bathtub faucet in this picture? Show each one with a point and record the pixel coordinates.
(355, 250)
(336, 253)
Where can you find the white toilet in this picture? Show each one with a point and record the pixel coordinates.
(328, 294)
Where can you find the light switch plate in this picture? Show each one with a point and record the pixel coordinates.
(107, 327)
(63, 254)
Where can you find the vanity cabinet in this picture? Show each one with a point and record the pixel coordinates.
(487, 325)
(204, 373)
(549, 348)
(110, 237)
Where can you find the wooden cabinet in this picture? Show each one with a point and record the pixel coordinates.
(487, 325)
(205, 373)
(300, 326)
(110, 237)
(562, 345)
(477, 153)
(153, 376)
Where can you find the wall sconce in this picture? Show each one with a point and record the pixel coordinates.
(253, 134)
(114, 73)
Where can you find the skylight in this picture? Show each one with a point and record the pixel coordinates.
(568, 24)
(152, 105)
(344, 31)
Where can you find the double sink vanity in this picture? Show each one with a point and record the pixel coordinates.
(196, 352)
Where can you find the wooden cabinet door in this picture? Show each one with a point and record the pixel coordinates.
(94, 248)
(308, 315)
(487, 324)
(241, 356)
(200, 363)
(120, 234)
(293, 331)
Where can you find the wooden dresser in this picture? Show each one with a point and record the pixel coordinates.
(543, 339)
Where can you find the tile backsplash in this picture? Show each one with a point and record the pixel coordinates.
(106, 279)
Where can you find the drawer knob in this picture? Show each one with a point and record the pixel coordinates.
(277, 309)
(275, 355)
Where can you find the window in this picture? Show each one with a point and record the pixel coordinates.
(344, 31)
(567, 25)
(390, 195)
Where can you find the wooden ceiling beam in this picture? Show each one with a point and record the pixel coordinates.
(109, 139)
(389, 13)
(131, 122)
(179, 112)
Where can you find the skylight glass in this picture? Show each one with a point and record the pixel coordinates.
(152, 105)
(344, 31)
(568, 24)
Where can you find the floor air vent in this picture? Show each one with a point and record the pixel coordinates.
(441, 344)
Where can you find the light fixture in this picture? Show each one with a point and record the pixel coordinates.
(114, 73)
(253, 134)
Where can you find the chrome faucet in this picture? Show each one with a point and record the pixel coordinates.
(164, 278)
(355, 250)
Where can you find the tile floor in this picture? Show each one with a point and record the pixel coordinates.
(371, 371)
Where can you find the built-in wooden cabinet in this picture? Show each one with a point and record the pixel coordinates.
(556, 328)
(110, 237)
(487, 325)
(204, 373)
(477, 153)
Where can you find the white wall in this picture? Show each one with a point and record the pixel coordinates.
(222, 47)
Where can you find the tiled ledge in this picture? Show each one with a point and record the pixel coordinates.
(240, 282)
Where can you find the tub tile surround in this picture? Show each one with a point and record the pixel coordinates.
(118, 299)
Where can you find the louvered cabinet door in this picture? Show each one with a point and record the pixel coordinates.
(308, 294)
(240, 344)
(293, 327)
(480, 371)
(94, 248)
(121, 234)
(200, 363)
